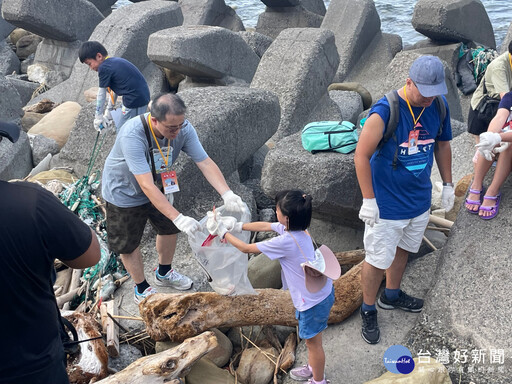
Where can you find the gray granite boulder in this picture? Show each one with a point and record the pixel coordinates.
(5, 27)
(124, 34)
(350, 104)
(326, 109)
(274, 20)
(297, 67)
(398, 70)
(25, 88)
(329, 177)
(15, 158)
(10, 102)
(315, 6)
(27, 45)
(280, 3)
(9, 62)
(257, 41)
(203, 52)
(42, 146)
(104, 6)
(454, 21)
(232, 123)
(506, 40)
(59, 20)
(58, 56)
(355, 24)
(379, 53)
(155, 77)
(210, 12)
(469, 301)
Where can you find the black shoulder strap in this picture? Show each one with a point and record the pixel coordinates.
(150, 143)
(441, 107)
(394, 114)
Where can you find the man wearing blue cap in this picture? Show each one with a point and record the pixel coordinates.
(394, 177)
(36, 229)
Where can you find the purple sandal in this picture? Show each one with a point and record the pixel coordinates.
(475, 202)
(493, 209)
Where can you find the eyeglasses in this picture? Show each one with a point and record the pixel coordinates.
(174, 128)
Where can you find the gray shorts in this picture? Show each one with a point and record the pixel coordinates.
(125, 226)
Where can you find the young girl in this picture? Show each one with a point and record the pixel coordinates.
(291, 247)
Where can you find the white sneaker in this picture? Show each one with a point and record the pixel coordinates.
(173, 279)
(138, 297)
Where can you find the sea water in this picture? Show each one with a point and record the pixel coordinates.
(395, 16)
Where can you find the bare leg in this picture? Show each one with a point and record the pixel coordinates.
(481, 168)
(316, 356)
(133, 264)
(395, 272)
(371, 278)
(503, 168)
(165, 247)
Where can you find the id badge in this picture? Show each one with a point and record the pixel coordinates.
(413, 142)
(169, 181)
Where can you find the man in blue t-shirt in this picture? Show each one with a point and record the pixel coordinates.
(119, 77)
(396, 187)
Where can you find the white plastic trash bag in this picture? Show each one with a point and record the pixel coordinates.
(225, 265)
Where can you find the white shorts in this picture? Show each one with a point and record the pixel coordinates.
(381, 241)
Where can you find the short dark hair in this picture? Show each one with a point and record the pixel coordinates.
(510, 47)
(297, 206)
(89, 50)
(167, 104)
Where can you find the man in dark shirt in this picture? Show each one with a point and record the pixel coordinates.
(119, 77)
(35, 228)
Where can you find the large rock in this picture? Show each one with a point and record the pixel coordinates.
(329, 177)
(257, 41)
(280, 3)
(355, 24)
(350, 104)
(124, 34)
(205, 372)
(210, 12)
(9, 62)
(232, 123)
(507, 40)
(15, 159)
(5, 27)
(274, 20)
(469, 304)
(203, 51)
(10, 102)
(453, 21)
(58, 124)
(57, 56)
(377, 56)
(398, 70)
(297, 67)
(27, 45)
(315, 6)
(25, 88)
(42, 146)
(53, 19)
(104, 6)
(264, 273)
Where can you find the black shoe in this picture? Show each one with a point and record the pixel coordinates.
(404, 302)
(370, 331)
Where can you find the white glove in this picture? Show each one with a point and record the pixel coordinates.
(488, 140)
(237, 228)
(100, 123)
(108, 118)
(187, 224)
(216, 220)
(369, 212)
(504, 145)
(447, 197)
(232, 202)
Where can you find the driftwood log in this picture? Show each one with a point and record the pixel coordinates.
(350, 257)
(178, 316)
(167, 366)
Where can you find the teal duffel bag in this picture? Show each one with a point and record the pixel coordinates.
(338, 136)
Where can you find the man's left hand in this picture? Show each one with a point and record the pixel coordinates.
(447, 197)
(233, 202)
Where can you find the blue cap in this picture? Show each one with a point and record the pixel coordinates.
(9, 130)
(427, 72)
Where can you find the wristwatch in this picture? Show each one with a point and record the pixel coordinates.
(447, 184)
